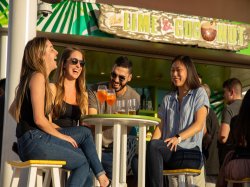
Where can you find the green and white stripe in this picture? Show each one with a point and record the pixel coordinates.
(4, 13)
(70, 17)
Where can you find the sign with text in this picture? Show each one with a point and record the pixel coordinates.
(158, 26)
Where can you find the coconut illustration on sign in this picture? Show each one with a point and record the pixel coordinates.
(208, 30)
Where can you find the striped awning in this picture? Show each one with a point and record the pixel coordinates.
(4, 13)
(71, 17)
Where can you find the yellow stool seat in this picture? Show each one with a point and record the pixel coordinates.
(36, 167)
(182, 174)
(245, 182)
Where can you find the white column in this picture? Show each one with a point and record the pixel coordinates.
(22, 28)
(3, 55)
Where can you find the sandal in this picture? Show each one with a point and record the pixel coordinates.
(110, 182)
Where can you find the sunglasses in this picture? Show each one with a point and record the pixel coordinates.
(75, 61)
(114, 75)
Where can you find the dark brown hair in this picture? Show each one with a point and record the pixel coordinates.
(235, 84)
(192, 75)
(243, 122)
(124, 62)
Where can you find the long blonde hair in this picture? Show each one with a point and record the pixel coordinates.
(81, 92)
(33, 61)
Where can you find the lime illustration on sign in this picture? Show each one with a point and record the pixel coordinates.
(159, 26)
(4, 13)
(72, 17)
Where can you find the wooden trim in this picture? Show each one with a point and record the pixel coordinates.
(150, 49)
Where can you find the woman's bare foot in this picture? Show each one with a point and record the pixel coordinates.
(103, 180)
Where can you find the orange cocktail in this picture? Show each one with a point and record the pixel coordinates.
(111, 99)
(102, 95)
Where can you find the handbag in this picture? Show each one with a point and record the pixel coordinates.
(186, 158)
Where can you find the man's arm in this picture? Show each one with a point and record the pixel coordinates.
(224, 132)
(225, 125)
(92, 111)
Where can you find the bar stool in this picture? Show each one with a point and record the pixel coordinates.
(245, 182)
(36, 169)
(182, 174)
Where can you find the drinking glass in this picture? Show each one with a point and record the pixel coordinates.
(121, 106)
(132, 106)
(102, 96)
(111, 98)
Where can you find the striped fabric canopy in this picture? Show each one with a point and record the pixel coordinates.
(4, 13)
(72, 17)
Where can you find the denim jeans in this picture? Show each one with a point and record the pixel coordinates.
(107, 156)
(160, 157)
(107, 162)
(36, 144)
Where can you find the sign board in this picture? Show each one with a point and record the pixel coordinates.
(159, 26)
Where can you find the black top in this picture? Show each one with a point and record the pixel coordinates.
(70, 117)
(26, 120)
(228, 116)
(209, 143)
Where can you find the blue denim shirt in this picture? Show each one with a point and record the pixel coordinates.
(176, 119)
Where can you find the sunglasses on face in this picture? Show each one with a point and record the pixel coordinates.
(75, 61)
(114, 75)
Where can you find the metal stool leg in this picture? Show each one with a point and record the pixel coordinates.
(181, 181)
(15, 177)
(39, 178)
(56, 177)
(32, 176)
(190, 180)
(246, 184)
(230, 184)
(47, 178)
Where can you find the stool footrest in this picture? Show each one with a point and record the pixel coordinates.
(186, 171)
(245, 180)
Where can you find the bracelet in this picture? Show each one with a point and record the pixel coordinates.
(178, 138)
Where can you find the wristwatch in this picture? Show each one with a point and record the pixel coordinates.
(178, 138)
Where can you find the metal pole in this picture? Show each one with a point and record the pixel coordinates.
(3, 55)
(21, 28)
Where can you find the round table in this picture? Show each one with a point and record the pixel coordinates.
(120, 123)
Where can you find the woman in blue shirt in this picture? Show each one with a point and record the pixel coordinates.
(176, 142)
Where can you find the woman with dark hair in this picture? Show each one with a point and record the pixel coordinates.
(38, 138)
(177, 141)
(236, 165)
(242, 135)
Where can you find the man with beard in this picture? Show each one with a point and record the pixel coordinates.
(120, 75)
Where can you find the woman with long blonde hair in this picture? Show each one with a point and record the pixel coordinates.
(71, 101)
(38, 138)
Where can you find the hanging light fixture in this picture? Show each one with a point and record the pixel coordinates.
(43, 8)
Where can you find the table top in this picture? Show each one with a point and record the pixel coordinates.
(123, 119)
